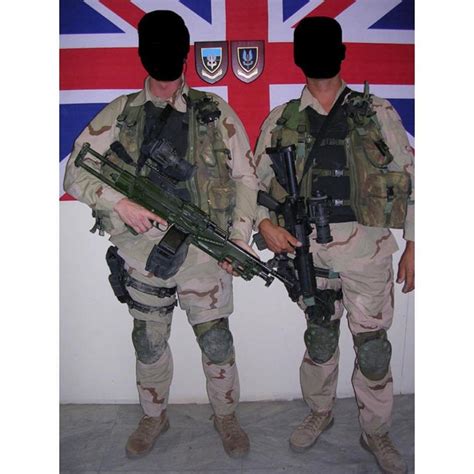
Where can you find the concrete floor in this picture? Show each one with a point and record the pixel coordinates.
(93, 439)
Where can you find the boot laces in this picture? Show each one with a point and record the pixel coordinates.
(147, 425)
(313, 422)
(230, 425)
(385, 445)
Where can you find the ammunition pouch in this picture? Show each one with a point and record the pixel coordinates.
(374, 352)
(321, 340)
(119, 279)
(379, 197)
(168, 255)
(107, 221)
(221, 199)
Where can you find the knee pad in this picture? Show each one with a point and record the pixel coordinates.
(374, 352)
(322, 340)
(149, 340)
(215, 340)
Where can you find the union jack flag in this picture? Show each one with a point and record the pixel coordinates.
(99, 61)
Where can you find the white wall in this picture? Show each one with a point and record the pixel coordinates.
(97, 356)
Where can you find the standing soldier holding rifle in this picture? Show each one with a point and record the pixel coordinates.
(354, 169)
(192, 145)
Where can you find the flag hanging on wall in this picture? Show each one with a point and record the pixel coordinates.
(99, 60)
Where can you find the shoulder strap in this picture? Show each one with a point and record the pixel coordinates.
(196, 95)
(290, 116)
(128, 113)
(322, 132)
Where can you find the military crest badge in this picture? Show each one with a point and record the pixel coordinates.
(247, 59)
(211, 60)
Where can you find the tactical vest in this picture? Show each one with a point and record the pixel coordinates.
(351, 162)
(197, 139)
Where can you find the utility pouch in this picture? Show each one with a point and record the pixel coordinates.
(116, 277)
(387, 200)
(166, 258)
(107, 221)
(221, 199)
(379, 197)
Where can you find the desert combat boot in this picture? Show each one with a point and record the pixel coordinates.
(388, 458)
(308, 432)
(234, 439)
(142, 440)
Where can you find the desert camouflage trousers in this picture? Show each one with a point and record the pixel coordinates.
(367, 286)
(204, 291)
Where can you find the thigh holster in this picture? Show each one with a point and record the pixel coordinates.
(119, 280)
(325, 304)
(374, 352)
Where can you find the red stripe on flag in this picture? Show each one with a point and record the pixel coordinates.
(251, 101)
(120, 68)
(376, 63)
(66, 197)
(100, 68)
(331, 8)
(125, 9)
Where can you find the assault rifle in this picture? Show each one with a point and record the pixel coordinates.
(187, 223)
(298, 214)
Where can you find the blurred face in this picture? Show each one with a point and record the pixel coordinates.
(163, 44)
(318, 48)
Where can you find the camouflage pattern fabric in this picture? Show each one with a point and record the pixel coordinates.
(103, 130)
(363, 257)
(393, 134)
(368, 298)
(204, 290)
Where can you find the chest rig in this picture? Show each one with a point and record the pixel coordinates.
(192, 136)
(349, 163)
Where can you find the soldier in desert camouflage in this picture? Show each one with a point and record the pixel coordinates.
(224, 185)
(360, 256)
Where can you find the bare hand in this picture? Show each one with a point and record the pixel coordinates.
(228, 266)
(136, 216)
(406, 268)
(278, 239)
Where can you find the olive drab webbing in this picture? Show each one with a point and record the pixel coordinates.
(215, 190)
(211, 188)
(291, 129)
(378, 197)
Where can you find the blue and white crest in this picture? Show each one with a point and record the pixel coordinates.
(211, 58)
(248, 58)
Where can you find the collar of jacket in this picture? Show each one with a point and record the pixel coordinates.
(308, 100)
(176, 100)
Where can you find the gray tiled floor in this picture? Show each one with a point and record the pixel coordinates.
(93, 439)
